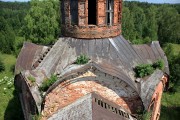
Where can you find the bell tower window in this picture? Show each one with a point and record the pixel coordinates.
(92, 12)
(74, 12)
(109, 12)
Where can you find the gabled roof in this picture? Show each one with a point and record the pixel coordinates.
(92, 107)
(115, 56)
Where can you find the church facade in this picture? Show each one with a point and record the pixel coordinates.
(104, 88)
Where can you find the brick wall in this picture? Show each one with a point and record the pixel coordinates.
(28, 104)
(82, 29)
(156, 99)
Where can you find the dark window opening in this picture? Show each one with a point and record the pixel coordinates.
(92, 12)
(109, 11)
(152, 105)
(62, 12)
(74, 12)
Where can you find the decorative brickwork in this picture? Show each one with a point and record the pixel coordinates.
(82, 28)
(156, 99)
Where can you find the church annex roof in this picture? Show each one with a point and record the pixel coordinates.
(114, 56)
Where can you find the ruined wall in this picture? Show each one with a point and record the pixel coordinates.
(78, 27)
(156, 99)
(109, 87)
(27, 101)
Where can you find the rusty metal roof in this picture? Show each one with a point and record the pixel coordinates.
(92, 107)
(114, 56)
(28, 55)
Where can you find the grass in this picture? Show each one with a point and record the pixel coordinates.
(170, 107)
(176, 48)
(10, 108)
(82, 59)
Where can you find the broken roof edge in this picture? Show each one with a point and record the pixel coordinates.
(74, 70)
(148, 87)
(34, 94)
(28, 56)
(158, 53)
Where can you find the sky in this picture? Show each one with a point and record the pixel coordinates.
(150, 1)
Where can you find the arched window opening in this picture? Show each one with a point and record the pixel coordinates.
(109, 11)
(92, 12)
(152, 105)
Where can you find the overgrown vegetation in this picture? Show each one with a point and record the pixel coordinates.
(82, 59)
(146, 115)
(35, 117)
(143, 70)
(48, 82)
(32, 79)
(158, 64)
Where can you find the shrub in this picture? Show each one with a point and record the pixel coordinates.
(147, 69)
(2, 66)
(48, 82)
(159, 64)
(143, 70)
(82, 59)
(146, 115)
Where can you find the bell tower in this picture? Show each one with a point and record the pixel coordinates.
(90, 19)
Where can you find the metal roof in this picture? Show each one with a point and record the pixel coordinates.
(115, 56)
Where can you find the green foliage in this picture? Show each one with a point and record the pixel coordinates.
(158, 64)
(9, 101)
(36, 117)
(128, 24)
(48, 82)
(168, 25)
(143, 22)
(143, 70)
(137, 41)
(151, 26)
(2, 66)
(170, 100)
(11, 21)
(170, 106)
(32, 79)
(139, 21)
(146, 115)
(12, 68)
(82, 59)
(173, 56)
(42, 21)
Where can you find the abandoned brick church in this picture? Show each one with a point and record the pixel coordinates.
(104, 88)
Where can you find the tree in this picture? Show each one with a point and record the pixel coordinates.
(42, 21)
(139, 21)
(127, 25)
(168, 25)
(151, 23)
